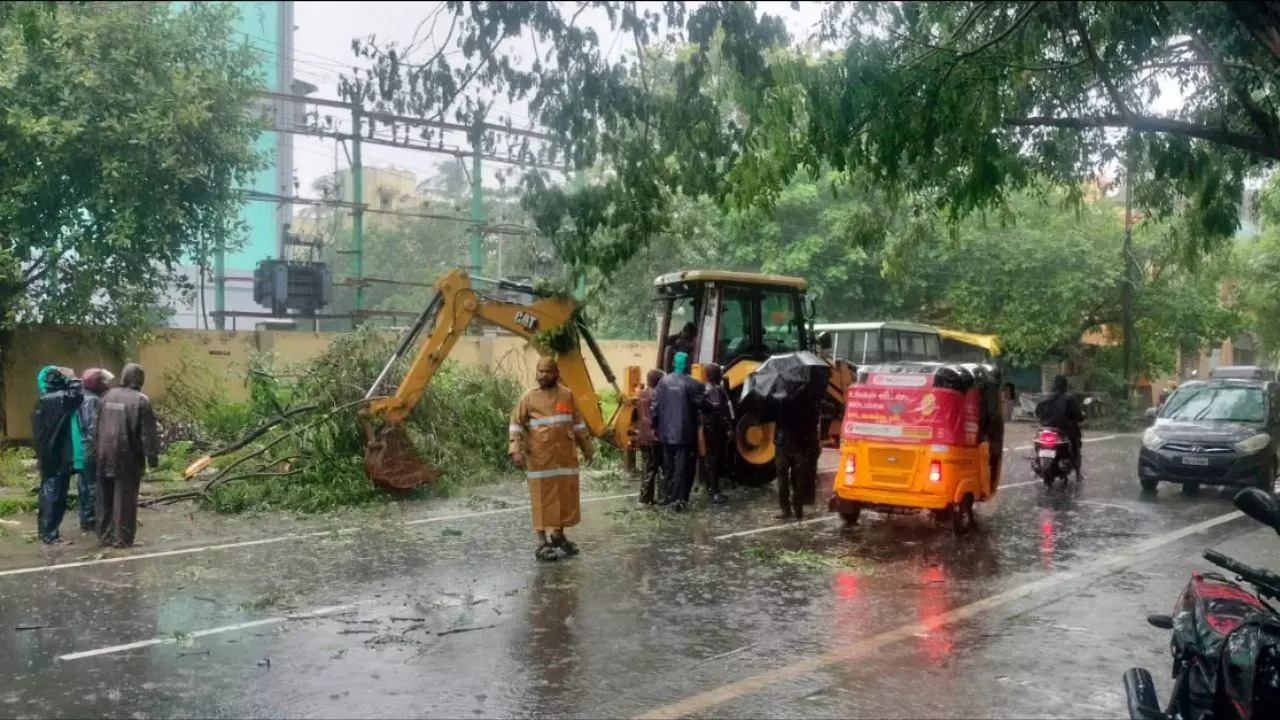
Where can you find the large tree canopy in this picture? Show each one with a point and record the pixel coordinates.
(125, 131)
(950, 105)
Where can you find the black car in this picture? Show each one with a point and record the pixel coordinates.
(1218, 432)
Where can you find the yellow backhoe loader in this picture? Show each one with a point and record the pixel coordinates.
(734, 319)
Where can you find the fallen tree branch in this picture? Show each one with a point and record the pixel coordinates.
(262, 429)
(171, 498)
(292, 433)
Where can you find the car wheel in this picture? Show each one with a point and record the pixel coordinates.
(1149, 484)
(850, 516)
(1267, 482)
(1190, 488)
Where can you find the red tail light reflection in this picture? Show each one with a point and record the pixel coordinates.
(1046, 538)
(938, 640)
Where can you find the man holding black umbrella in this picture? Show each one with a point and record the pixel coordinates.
(796, 443)
(789, 390)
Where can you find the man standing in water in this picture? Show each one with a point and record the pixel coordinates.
(545, 427)
(124, 443)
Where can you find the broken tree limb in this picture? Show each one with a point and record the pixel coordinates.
(293, 432)
(261, 430)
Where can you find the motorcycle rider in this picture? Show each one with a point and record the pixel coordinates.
(1060, 411)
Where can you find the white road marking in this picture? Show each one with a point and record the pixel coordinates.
(173, 639)
(783, 526)
(770, 528)
(1088, 440)
(272, 540)
(861, 648)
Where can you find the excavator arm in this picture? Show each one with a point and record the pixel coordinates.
(455, 305)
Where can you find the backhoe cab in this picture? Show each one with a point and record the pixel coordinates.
(738, 320)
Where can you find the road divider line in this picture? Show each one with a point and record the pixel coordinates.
(273, 540)
(174, 639)
(860, 648)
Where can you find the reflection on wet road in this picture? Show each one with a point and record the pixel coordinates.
(893, 618)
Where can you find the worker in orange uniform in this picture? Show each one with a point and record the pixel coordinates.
(545, 427)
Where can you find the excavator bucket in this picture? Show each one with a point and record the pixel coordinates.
(391, 462)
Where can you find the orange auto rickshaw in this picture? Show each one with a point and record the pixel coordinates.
(920, 436)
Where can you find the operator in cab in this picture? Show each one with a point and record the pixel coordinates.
(545, 428)
(1060, 410)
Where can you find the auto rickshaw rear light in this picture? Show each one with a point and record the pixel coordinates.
(935, 471)
(850, 466)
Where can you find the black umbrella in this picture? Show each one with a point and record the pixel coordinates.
(786, 381)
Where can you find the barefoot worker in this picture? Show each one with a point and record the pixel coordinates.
(545, 427)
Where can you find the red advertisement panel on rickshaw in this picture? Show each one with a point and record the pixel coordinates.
(908, 408)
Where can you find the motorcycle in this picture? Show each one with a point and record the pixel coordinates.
(1052, 458)
(1226, 640)
(1052, 453)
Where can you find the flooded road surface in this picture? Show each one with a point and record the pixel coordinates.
(1035, 614)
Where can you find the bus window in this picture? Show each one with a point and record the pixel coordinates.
(865, 348)
(931, 348)
(892, 353)
(912, 346)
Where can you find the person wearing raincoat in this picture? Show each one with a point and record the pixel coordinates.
(675, 407)
(124, 442)
(647, 441)
(545, 428)
(95, 382)
(55, 429)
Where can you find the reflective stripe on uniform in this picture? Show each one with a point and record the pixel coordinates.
(551, 420)
(553, 472)
(579, 427)
(517, 429)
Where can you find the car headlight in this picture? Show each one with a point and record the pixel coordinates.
(1253, 444)
(1151, 439)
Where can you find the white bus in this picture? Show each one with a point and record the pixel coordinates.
(871, 343)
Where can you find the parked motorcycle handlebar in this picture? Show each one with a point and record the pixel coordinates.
(1266, 582)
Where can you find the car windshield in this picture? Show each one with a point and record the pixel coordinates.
(1221, 404)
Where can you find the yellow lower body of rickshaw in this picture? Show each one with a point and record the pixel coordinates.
(912, 475)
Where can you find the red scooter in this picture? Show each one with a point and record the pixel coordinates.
(1226, 641)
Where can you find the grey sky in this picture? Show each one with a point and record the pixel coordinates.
(322, 44)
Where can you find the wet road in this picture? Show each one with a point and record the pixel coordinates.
(1036, 614)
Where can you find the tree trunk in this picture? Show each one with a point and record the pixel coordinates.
(6, 342)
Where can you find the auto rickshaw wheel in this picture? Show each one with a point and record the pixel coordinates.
(850, 515)
(962, 519)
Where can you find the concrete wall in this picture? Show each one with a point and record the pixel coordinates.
(224, 355)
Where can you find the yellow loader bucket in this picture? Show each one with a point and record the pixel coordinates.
(391, 462)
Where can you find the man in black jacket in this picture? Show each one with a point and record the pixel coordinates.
(125, 443)
(796, 444)
(55, 430)
(717, 430)
(675, 420)
(1060, 410)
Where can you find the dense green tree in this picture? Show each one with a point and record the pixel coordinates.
(950, 105)
(126, 129)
